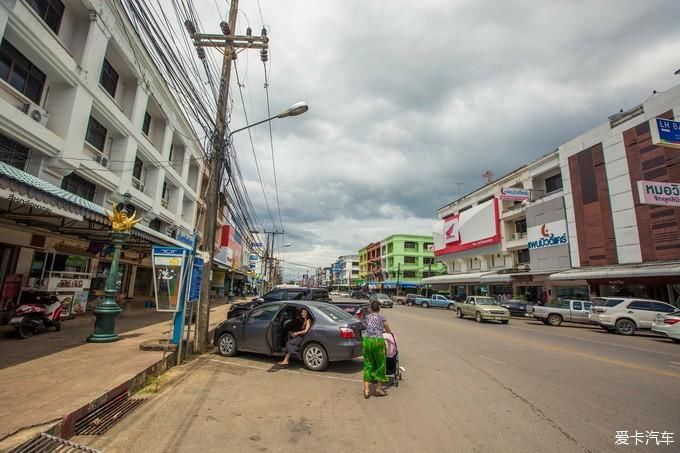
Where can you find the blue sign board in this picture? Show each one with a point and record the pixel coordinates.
(167, 251)
(668, 132)
(185, 238)
(196, 273)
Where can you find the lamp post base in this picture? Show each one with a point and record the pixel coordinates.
(105, 324)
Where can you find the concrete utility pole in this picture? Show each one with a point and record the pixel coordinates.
(228, 41)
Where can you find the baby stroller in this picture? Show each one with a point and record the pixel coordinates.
(393, 370)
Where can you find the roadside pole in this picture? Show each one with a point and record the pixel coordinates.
(228, 41)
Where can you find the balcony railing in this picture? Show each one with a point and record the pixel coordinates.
(517, 236)
(164, 202)
(139, 185)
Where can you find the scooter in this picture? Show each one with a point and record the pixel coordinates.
(33, 317)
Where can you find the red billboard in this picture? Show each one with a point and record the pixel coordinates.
(476, 227)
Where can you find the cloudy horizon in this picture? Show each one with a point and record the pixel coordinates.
(411, 103)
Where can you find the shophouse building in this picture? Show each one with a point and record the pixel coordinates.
(598, 216)
(622, 198)
(406, 260)
(506, 238)
(85, 117)
(345, 272)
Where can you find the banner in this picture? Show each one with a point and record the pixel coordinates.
(195, 280)
(659, 193)
(547, 235)
(514, 193)
(168, 266)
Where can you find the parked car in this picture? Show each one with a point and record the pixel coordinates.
(411, 299)
(668, 325)
(384, 299)
(565, 311)
(483, 308)
(435, 301)
(400, 298)
(359, 295)
(334, 335)
(626, 315)
(279, 294)
(517, 307)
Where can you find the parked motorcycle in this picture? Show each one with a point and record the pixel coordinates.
(30, 318)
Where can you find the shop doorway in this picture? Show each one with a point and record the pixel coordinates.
(533, 294)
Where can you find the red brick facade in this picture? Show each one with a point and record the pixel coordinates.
(592, 208)
(658, 226)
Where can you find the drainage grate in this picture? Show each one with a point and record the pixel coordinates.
(44, 443)
(103, 418)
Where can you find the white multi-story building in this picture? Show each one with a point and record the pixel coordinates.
(485, 238)
(85, 116)
(346, 271)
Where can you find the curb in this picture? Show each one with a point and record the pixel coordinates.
(65, 428)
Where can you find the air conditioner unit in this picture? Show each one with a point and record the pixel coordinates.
(101, 159)
(35, 112)
(513, 236)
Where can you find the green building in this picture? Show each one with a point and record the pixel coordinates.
(406, 259)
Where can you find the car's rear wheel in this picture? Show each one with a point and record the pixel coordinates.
(315, 357)
(451, 307)
(625, 327)
(505, 321)
(676, 340)
(554, 320)
(459, 313)
(425, 305)
(410, 304)
(226, 345)
(478, 317)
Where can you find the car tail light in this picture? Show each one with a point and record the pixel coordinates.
(670, 322)
(346, 332)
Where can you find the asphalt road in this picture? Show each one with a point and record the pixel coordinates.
(522, 387)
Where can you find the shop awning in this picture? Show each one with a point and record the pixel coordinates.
(670, 269)
(508, 277)
(29, 197)
(472, 277)
(496, 278)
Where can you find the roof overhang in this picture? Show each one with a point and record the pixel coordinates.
(670, 269)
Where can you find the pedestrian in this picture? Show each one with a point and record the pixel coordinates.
(374, 351)
(294, 343)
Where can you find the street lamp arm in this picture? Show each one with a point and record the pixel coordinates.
(294, 110)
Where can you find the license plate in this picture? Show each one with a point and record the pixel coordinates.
(15, 320)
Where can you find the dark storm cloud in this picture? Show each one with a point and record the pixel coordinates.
(408, 99)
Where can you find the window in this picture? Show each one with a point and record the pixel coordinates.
(13, 153)
(664, 308)
(137, 169)
(335, 313)
(275, 295)
(390, 248)
(578, 306)
(79, 186)
(523, 256)
(428, 246)
(428, 260)
(641, 305)
(264, 313)
(164, 192)
(19, 72)
(147, 123)
(410, 260)
(155, 224)
(553, 183)
(355, 272)
(410, 245)
(521, 226)
(51, 11)
(109, 78)
(409, 274)
(428, 274)
(96, 134)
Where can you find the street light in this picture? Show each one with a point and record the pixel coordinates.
(122, 220)
(294, 110)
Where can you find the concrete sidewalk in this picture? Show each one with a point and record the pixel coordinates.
(45, 390)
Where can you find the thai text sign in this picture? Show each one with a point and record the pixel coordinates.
(168, 264)
(514, 193)
(665, 132)
(659, 193)
(195, 283)
(547, 235)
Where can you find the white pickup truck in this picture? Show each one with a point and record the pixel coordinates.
(564, 311)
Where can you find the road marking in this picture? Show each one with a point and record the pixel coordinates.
(492, 359)
(550, 348)
(595, 341)
(300, 373)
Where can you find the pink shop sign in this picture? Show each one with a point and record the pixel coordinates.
(659, 193)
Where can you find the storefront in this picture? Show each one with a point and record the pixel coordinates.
(659, 281)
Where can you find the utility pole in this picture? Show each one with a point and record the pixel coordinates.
(398, 272)
(228, 41)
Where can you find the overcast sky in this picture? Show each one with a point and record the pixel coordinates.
(409, 98)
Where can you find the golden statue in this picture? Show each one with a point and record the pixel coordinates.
(120, 220)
